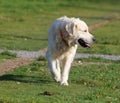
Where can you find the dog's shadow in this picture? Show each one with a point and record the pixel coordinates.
(24, 79)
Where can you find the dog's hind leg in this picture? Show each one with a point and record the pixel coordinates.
(54, 68)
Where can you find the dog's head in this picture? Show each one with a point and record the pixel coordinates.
(78, 31)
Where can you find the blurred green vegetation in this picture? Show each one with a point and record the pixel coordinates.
(24, 23)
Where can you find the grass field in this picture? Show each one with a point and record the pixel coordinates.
(91, 83)
(24, 25)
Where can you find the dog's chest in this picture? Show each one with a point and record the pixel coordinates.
(62, 51)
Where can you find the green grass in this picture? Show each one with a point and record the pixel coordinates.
(6, 55)
(24, 23)
(92, 83)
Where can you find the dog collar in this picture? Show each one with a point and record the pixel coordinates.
(62, 37)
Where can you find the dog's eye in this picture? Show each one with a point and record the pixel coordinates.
(85, 30)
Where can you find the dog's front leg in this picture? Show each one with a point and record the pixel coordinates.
(66, 69)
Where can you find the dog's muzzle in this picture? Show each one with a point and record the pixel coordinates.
(83, 43)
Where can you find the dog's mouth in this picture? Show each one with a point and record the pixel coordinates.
(83, 43)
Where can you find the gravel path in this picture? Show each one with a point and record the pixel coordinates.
(35, 54)
(26, 57)
(109, 57)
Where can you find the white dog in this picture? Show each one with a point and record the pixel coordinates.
(64, 36)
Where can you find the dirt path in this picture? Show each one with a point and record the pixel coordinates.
(25, 57)
(77, 63)
(106, 21)
(10, 65)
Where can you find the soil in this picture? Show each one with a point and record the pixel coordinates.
(12, 64)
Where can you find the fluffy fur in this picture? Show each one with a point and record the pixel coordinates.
(64, 35)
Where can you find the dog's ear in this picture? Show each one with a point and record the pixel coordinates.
(71, 28)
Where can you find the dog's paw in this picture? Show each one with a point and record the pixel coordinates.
(64, 83)
(57, 79)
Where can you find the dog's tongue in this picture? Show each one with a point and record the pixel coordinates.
(88, 46)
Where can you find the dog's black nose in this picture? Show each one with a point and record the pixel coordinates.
(93, 39)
